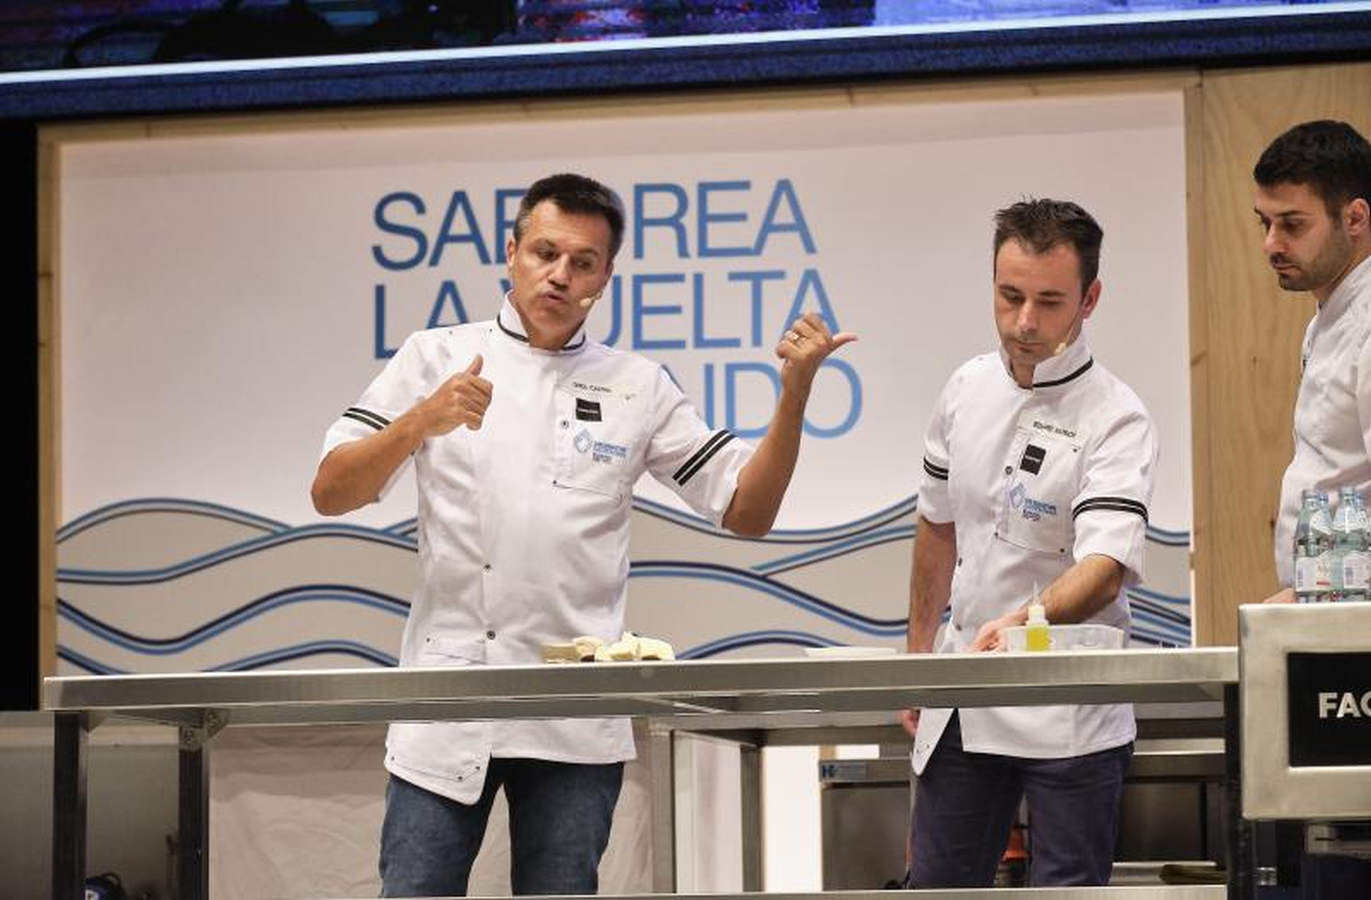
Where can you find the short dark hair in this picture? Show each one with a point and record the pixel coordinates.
(574, 194)
(1041, 225)
(1330, 157)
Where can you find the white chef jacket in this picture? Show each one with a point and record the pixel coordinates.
(1333, 408)
(1034, 479)
(523, 525)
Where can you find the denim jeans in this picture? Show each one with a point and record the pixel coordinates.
(965, 803)
(559, 818)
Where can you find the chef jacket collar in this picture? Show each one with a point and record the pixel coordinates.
(1342, 295)
(513, 327)
(1070, 364)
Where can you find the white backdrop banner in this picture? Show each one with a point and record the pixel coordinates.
(225, 296)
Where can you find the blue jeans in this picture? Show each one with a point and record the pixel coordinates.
(965, 803)
(559, 818)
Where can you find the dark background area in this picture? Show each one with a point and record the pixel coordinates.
(36, 35)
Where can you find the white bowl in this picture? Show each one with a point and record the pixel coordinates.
(1070, 637)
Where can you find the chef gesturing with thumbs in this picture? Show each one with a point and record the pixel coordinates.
(461, 400)
(357, 472)
(525, 461)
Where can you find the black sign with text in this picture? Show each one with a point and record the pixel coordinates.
(1330, 708)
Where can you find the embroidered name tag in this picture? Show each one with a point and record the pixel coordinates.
(587, 410)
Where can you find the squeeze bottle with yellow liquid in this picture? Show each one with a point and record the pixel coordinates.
(1036, 636)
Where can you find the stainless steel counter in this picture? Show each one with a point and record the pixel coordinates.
(731, 689)
(757, 696)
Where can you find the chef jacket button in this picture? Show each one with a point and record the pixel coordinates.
(1008, 470)
(564, 423)
(485, 568)
(959, 560)
(490, 635)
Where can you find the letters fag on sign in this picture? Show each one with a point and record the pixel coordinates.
(1330, 708)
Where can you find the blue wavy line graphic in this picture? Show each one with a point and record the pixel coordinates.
(1147, 619)
(881, 517)
(233, 551)
(1145, 624)
(1168, 538)
(1161, 642)
(832, 551)
(877, 519)
(166, 504)
(409, 527)
(81, 661)
(1151, 594)
(783, 592)
(300, 651)
(256, 660)
(232, 619)
(1181, 619)
(839, 539)
(780, 535)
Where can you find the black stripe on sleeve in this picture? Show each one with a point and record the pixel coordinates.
(1116, 504)
(935, 471)
(713, 438)
(702, 456)
(366, 417)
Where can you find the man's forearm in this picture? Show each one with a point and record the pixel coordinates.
(352, 474)
(1083, 590)
(930, 581)
(763, 480)
(1077, 594)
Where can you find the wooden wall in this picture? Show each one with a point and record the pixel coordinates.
(1245, 331)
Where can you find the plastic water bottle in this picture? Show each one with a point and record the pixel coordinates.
(1313, 548)
(1355, 562)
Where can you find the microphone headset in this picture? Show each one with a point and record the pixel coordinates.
(1076, 322)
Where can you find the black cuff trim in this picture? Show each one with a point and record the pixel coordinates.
(366, 417)
(1116, 504)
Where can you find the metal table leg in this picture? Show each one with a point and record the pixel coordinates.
(192, 860)
(1241, 861)
(70, 734)
(662, 763)
(750, 778)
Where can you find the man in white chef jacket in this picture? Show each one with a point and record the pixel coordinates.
(1037, 471)
(1313, 201)
(1313, 190)
(527, 439)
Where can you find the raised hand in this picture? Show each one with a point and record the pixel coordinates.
(461, 400)
(803, 347)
